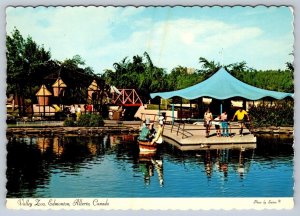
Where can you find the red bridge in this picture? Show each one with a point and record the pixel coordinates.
(128, 97)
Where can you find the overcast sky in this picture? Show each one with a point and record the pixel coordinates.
(261, 36)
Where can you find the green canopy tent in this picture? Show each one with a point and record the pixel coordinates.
(222, 85)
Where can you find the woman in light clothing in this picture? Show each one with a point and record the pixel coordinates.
(207, 121)
(158, 136)
(78, 112)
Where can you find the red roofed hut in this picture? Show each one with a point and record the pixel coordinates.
(93, 89)
(43, 96)
(59, 87)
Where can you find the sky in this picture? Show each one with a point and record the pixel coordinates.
(261, 36)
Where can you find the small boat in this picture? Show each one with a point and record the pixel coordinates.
(146, 147)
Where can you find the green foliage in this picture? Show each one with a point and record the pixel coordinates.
(138, 73)
(69, 122)
(29, 66)
(270, 79)
(180, 78)
(90, 120)
(280, 114)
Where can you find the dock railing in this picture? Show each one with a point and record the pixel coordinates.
(169, 120)
(180, 126)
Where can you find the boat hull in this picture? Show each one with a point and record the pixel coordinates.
(146, 147)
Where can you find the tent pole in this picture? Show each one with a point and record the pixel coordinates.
(198, 108)
(172, 112)
(221, 107)
(190, 109)
(181, 109)
(244, 104)
(159, 107)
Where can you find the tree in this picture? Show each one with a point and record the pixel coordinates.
(179, 78)
(137, 74)
(30, 65)
(24, 59)
(208, 67)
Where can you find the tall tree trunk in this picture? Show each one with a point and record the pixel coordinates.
(31, 98)
(23, 100)
(17, 94)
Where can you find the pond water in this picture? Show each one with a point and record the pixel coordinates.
(110, 166)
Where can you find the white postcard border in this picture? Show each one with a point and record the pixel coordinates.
(150, 203)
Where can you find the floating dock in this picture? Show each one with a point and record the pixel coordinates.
(192, 137)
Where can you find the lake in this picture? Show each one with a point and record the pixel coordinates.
(110, 166)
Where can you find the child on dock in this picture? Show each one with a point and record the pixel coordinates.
(224, 124)
(217, 122)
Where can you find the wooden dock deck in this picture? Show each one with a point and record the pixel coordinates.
(192, 137)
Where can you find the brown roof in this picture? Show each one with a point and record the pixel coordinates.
(59, 83)
(43, 91)
(93, 86)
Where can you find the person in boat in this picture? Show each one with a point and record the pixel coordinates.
(152, 132)
(158, 136)
(145, 131)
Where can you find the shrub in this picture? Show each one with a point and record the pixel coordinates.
(90, 120)
(96, 120)
(69, 122)
(277, 115)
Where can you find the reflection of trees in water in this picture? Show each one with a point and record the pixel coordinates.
(125, 147)
(80, 150)
(25, 168)
(31, 159)
(274, 145)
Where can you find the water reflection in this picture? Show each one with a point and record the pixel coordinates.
(221, 160)
(35, 165)
(148, 163)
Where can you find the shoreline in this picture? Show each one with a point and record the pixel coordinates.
(121, 128)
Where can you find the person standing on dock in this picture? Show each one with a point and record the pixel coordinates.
(217, 125)
(73, 111)
(240, 114)
(224, 124)
(207, 121)
(78, 112)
